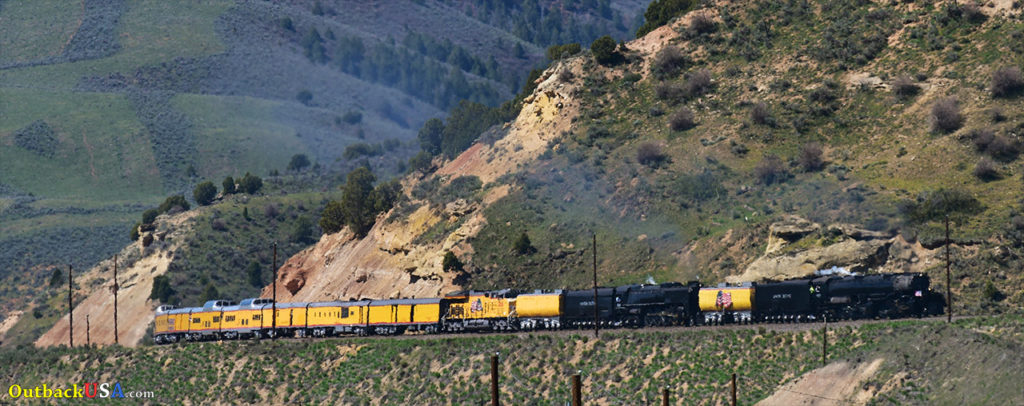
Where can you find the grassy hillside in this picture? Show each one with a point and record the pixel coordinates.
(110, 106)
(625, 366)
(811, 108)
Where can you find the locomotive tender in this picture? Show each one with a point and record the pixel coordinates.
(666, 304)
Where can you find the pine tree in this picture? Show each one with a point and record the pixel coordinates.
(522, 245)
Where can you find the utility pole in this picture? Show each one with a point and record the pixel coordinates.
(494, 380)
(71, 313)
(577, 392)
(88, 340)
(116, 287)
(734, 389)
(273, 305)
(824, 342)
(949, 279)
(597, 319)
(664, 396)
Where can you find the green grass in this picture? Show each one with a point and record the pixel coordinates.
(102, 154)
(623, 367)
(36, 29)
(235, 130)
(150, 32)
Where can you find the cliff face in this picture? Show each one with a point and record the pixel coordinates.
(394, 260)
(137, 266)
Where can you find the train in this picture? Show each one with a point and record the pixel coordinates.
(898, 295)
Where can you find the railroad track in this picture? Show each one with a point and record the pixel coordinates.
(775, 327)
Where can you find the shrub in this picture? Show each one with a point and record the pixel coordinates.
(218, 225)
(760, 114)
(420, 162)
(37, 137)
(650, 154)
(682, 119)
(827, 92)
(255, 272)
(934, 205)
(660, 12)
(460, 188)
(451, 262)
(271, 211)
(229, 185)
(304, 96)
(173, 204)
(668, 62)
(604, 50)
(981, 138)
(357, 203)
(1003, 148)
(701, 24)
(465, 124)
(522, 245)
(209, 293)
(971, 11)
(250, 183)
(771, 170)
(149, 216)
(161, 290)
(134, 234)
(670, 92)
(990, 292)
(430, 136)
(904, 86)
(566, 76)
(352, 117)
(354, 151)
(810, 157)
(986, 170)
(56, 278)
(286, 24)
(302, 231)
(556, 52)
(698, 83)
(698, 188)
(1007, 81)
(332, 219)
(204, 193)
(945, 115)
(298, 162)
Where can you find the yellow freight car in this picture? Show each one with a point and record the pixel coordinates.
(726, 304)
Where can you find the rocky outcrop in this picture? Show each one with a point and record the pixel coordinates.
(840, 245)
(137, 266)
(394, 259)
(790, 229)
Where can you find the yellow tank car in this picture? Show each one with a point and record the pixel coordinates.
(726, 304)
(539, 309)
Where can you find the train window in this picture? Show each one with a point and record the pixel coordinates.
(344, 312)
(195, 320)
(216, 319)
(256, 317)
(229, 318)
